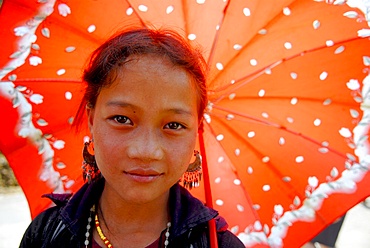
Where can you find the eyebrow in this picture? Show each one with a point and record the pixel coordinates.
(119, 104)
(125, 105)
(180, 111)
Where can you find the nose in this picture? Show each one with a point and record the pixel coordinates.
(146, 146)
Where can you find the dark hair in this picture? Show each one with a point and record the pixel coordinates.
(139, 41)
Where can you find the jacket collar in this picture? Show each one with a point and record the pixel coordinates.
(76, 209)
(186, 210)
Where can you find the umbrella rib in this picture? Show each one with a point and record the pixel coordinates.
(248, 198)
(88, 36)
(289, 187)
(73, 30)
(214, 43)
(248, 78)
(185, 14)
(137, 13)
(215, 40)
(249, 117)
(267, 123)
(308, 99)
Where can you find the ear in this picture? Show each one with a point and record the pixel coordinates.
(90, 117)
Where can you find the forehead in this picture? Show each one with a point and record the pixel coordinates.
(151, 77)
(151, 66)
(149, 62)
(151, 74)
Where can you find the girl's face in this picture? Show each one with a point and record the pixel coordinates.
(144, 127)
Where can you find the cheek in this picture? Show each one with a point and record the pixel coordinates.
(104, 144)
(178, 165)
(101, 155)
(184, 154)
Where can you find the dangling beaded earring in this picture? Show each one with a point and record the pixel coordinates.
(90, 170)
(193, 174)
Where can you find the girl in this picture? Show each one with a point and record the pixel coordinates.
(145, 97)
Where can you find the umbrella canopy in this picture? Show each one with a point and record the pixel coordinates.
(285, 134)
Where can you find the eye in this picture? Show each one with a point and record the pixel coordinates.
(174, 125)
(121, 119)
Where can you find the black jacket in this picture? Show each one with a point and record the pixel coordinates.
(64, 225)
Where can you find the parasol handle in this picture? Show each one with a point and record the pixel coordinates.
(207, 189)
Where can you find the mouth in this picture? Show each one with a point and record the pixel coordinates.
(143, 176)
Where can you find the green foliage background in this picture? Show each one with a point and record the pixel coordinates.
(7, 178)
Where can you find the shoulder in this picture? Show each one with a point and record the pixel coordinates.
(190, 212)
(36, 231)
(46, 217)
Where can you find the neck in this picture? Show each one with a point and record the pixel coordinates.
(131, 224)
(122, 217)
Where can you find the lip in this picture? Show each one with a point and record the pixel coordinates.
(143, 175)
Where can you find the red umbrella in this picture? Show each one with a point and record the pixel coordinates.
(286, 128)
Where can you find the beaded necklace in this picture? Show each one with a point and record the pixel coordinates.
(104, 238)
